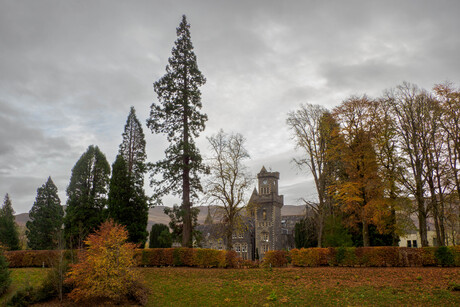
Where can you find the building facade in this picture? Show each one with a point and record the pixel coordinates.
(263, 228)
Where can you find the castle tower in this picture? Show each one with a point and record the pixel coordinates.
(267, 205)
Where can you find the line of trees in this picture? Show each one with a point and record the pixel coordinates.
(372, 159)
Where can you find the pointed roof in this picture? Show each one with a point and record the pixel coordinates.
(263, 170)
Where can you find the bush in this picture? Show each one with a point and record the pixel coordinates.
(5, 279)
(275, 259)
(209, 258)
(444, 256)
(23, 297)
(105, 267)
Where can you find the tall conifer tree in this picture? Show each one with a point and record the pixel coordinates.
(46, 218)
(127, 203)
(87, 196)
(9, 236)
(178, 116)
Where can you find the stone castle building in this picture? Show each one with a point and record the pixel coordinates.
(263, 229)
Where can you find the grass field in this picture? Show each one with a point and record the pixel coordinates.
(328, 286)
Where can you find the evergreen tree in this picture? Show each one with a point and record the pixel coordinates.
(87, 196)
(178, 116)
(125, 206)
(132, 208)
(9, 236)
(159, 236)
(5, 279)
(46, 218)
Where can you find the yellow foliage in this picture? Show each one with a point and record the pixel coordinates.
(104, 269)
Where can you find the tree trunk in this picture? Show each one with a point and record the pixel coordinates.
(366, 240)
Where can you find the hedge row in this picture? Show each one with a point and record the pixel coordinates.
(192, 257)
(367, 256)
(309, 257)
(37, 258)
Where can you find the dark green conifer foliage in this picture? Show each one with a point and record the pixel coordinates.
(46, 218)
(87, 196)
(5, 279)
(9, 236)
(178, 116)
(128, 204)
(125, 206)
(159, 236)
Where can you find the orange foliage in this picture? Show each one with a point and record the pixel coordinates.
(105, 267)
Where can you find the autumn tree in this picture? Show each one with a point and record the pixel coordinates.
(178, 116)
(87, 196)
(9, 236)
(229, 179)
(46, 218)
(361, 192)
(127, 202)
(105, 267)
(314, 130)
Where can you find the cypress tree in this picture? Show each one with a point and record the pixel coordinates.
(46, 218)
(178, 116)
(87, 196)
(128, 204)
(9, 236)
(158, 235)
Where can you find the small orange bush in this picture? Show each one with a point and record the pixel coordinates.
(105, 267)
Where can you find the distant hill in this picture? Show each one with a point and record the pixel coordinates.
(157, 216)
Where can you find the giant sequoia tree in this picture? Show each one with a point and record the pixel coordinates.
(46, 217)
(178, 116)
(127, 203)
(87, 196)
(9, 236)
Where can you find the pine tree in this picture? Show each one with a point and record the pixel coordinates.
(46, 218)
(9, 236)
(87, 196)
(178, 116)
(128, 204)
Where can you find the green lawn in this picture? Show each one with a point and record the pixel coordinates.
(328, 286)
(22, 278)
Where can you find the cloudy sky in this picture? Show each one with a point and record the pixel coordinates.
(70, 70)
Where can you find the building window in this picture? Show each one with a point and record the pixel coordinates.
(264, 214)
(238, 248)
(244, 248)
(265, 237)
(233, 235)
(240, 235)
(265, 248)
(414, 243)
(409, 243)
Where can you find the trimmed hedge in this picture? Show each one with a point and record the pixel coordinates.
(304, 257)
(381, 256)
(191, 257)
(36, 258)
(275, 259)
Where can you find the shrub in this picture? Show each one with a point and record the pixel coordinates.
(105, 267)
(5, 279)
(309, 256)
(24, 297)
(275, 259)
(231, 260)
(444, 256)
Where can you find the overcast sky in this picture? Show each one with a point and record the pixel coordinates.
(70, 70)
